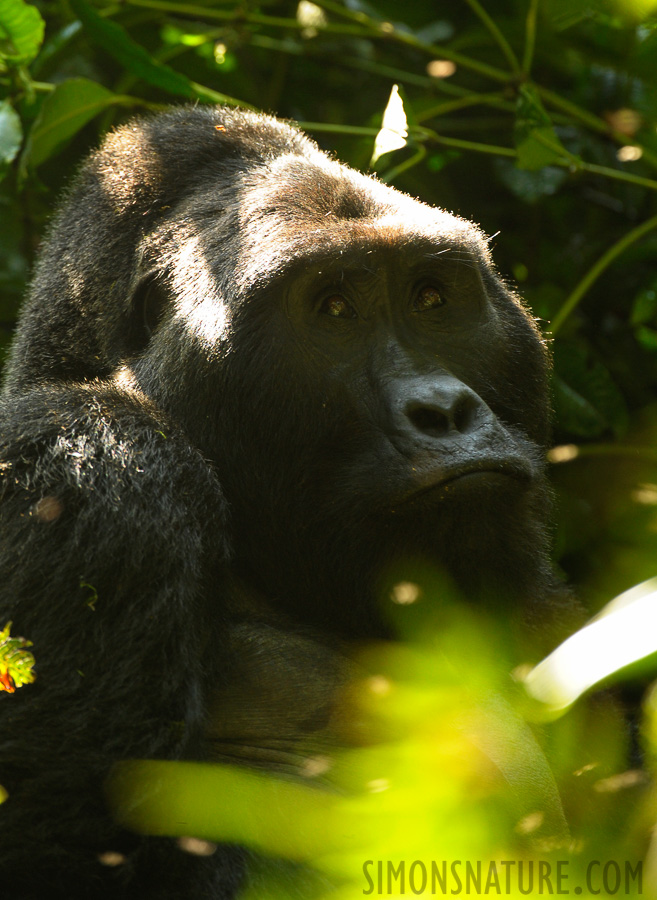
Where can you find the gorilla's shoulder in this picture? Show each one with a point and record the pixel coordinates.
(65, 447)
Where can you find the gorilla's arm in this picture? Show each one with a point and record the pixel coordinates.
(109, 522)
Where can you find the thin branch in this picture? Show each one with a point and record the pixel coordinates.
(530, 36)
(447, 106)
(496, 34)
(387, 30)
(328, 128)
(189, 10)
(572, 162)
(458, 144)
(419, 134)
(595, 123)
(643, 453)
(598, 268)
(416, 158)
(615, 174)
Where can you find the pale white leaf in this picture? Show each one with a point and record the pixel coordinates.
(394, 128)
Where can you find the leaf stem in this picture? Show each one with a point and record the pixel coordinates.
(648, 454)
(574, 163)
(388, 30)
(595, 123)
(496, 34)
(413, 160)
(230, 15)
(459, 144)
(598, 268)
(530, 37)
(447, 106)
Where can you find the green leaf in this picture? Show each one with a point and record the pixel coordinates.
(647, 337)
(21, 32)
(644, 308)
(587, 401)
(536, 141)
(71, 105)
(530, 186)
(574, 413)
(563, 14)
(644, 58)
(11, 136)
(133, 57)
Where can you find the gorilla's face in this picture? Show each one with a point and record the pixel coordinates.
(374, 394)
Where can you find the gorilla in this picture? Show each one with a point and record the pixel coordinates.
(250, 388)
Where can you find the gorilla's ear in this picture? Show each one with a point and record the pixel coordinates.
(150, 301)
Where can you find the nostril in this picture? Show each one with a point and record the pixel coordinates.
(429, 420)
(437, 419)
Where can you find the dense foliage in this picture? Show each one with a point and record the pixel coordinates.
(536, 118)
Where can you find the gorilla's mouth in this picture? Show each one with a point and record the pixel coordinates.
(473, 475)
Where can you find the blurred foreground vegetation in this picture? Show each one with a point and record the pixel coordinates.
(538, 119)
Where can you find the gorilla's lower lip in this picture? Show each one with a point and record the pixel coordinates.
(486, 473)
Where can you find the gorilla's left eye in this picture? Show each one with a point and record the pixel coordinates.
(428, 297)
(338, 307)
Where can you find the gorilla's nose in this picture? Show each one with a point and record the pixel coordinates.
(443, 409)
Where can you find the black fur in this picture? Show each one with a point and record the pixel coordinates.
(232, 413)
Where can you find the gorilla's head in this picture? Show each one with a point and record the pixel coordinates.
(368, 390)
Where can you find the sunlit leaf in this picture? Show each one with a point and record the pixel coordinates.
(21, 31)
(636, 9)
(64, 112)
(623, 633)
(394, 128)
(11, 135)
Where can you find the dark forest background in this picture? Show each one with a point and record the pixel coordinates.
(535, 118)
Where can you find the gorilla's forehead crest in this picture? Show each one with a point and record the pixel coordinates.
(259, 191)
(320, 193)
(293, 207)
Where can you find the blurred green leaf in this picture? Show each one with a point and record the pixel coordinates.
(530, 186)
(574, 413)
(647, 337)
(11, 135)
(64, 112)
(564, 14)
(133, 57)
(644, 308)
(587, 401)
(21, 31)
(644, 58)
(536, 141)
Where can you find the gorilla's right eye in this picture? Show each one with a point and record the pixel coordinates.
(429, 297)
(338, 307)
